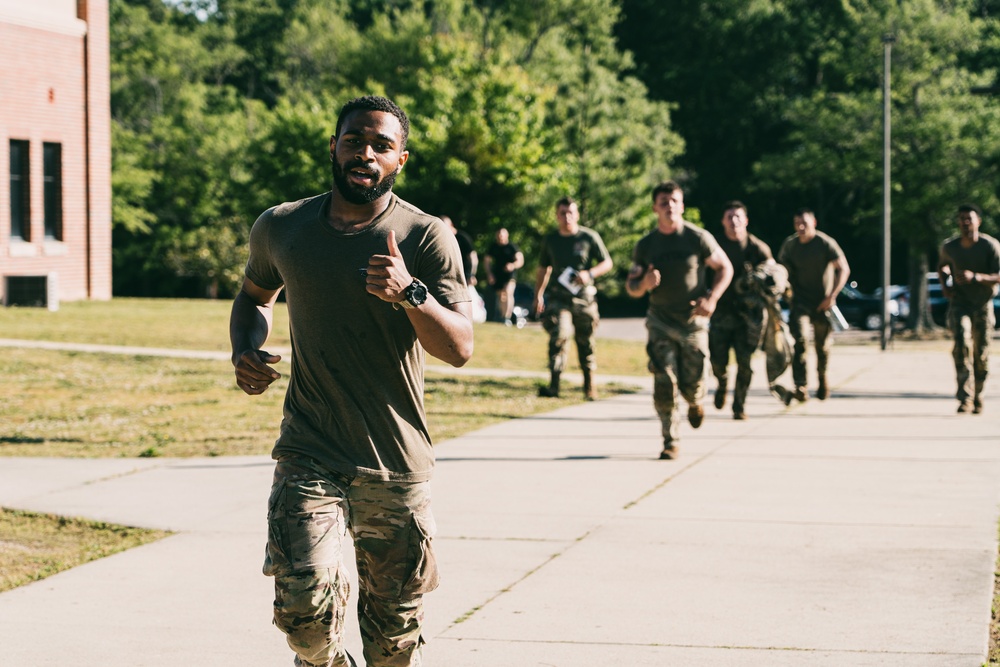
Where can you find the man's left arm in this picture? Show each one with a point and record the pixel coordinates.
(596, 271)
(764, 256)
(723, 270)
(444, 330)
(841, 271)
(963, 277)
(604, 264)
(989, 277)
(473, 267)
(518, 261)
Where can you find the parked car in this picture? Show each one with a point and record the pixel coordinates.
(937, 302)
(865, 310)
(901, 295)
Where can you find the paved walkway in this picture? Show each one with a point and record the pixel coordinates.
(857, 531)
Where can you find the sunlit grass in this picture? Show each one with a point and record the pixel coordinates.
(78, 404)
(203, 324)
(35, 546)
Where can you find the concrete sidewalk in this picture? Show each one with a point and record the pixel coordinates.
(856, 531)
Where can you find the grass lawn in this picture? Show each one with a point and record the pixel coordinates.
(80, 404)
(202, 324)
(76, 404)
(35, 546)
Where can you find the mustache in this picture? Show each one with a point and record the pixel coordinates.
(358, 164)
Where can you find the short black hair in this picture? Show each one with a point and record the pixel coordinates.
(565, 201)
(375, 103)
(668, 187)
(970, 208)
(805, 210)
(736, 203)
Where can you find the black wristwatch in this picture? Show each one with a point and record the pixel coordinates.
(416, 295)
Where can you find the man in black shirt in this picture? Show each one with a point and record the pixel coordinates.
(503, 259)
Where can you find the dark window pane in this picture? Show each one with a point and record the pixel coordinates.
(20, 211)
(52, 186)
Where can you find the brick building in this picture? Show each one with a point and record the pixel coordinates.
(55, 138)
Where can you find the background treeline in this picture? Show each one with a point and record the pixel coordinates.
(223, 108)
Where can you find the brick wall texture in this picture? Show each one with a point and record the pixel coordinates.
(54, 87)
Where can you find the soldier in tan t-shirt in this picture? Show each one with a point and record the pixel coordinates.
(572, 257)
(372, 283)
(971, 260)
(669, 263)
(817, 271)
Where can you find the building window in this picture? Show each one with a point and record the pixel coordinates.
(52, 185)
(20, 187)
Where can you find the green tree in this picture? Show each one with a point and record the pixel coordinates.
(945, 141)
(730, 69)
(779, 102)
(512, 105)
(224, 108)
(178, 149)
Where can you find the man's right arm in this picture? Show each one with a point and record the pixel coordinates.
(249, 327)
(944, 270)
(488, 267)
(633, 283)
(541, 282)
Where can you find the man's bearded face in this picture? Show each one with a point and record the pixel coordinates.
(361, 183)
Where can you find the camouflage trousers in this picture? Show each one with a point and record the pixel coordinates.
(799, 322)
(577, 317)
(678, 355)
(972, 330)
(736, 333)
(310, 512)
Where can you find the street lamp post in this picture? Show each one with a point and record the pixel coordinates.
(887, 41)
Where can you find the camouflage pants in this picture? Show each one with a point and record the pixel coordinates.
(578, 317)
(310, 512)
(972, 330)
(798, 323)
(732, 332)
(678, 352)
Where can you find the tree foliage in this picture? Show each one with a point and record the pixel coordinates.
(945, 140)
(780, 103)
(224, 108)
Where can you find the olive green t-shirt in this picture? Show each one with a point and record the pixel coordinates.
(581, 251)
(809, 272)
(355, 397)
(680, 259)
(983, 256)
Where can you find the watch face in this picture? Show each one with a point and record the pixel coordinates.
(417, 293)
